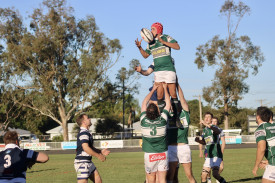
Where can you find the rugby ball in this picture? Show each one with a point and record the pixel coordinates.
(146, 35)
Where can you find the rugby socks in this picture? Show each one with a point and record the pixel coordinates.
(175, 106)
(161, 105)
(221, 180)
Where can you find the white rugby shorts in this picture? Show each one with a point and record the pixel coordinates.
(154, 162)
(84, 169)
(165, 76)
(179, 153)
(269, 173)
(212, 162)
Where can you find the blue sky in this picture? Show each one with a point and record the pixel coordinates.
(191, 23)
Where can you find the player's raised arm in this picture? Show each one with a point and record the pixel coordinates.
(182, 99)
(175, 45)
(147, 98)
(143, 53)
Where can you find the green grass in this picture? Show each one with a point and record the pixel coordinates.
(128, 167)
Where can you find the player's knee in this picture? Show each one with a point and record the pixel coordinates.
(204, 174)
(216, 174)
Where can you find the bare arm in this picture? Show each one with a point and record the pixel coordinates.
(201, 151)
(223, 143)
(144, 72)
(182, 99)
(175, 46)
(93, 152)
(143, 53)
(42, 158)
(167, 98)
(261, 146)
(147, 98)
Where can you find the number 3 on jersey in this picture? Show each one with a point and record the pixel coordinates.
(8, 161)
(153, 131)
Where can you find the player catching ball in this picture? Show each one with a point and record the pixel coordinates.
(164, 69)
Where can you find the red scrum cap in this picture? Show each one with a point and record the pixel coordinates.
(159, 27)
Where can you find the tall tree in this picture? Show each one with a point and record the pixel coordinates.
(55, 65)
(233, 57)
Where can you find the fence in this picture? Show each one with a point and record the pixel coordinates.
(131, 143)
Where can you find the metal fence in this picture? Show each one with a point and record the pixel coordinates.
(129, 143)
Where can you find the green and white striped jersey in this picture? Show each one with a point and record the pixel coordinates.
(178, 135)
(212, 140)
(154, 133)
(161, 54)
(266, 131)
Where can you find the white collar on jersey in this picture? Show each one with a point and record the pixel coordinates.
(12, 146)
(83, 128)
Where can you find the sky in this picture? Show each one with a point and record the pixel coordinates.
(191, 23)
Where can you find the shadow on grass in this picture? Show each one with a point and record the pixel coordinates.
(42, 170)
(247, 179)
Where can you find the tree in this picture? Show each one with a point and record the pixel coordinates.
(234, 58)
(107, 126)
(55, 65)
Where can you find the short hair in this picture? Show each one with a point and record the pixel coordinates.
(216, 119)
(80, 119)
(10, 137)
(208, 113)
(264, 113)
(152, 111)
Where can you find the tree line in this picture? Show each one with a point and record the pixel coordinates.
(57, 67)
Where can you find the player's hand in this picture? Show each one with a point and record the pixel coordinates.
(164, 85)
(156, 85)
(105, 152)
(138, 43)
(101, 157)
(263, 164)
(138, 68)
(254, 171)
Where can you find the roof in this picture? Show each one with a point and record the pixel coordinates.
(19, 131)
(59, 129)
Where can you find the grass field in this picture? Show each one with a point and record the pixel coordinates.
(128, 167)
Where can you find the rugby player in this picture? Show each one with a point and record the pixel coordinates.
(15, 161)
(265, 138)
(213, 159)
(178, 148)
(83, 164)
(164, 69)
(154, 144)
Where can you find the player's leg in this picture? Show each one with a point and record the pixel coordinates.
(171, 171)
(95, 177)
(160, 92)
(221, 167)
(185, 158)
(151, 177)
(188, 172)
(162, 176)
(209, 177)
(176, 178)
(205, 172)
(215, 166)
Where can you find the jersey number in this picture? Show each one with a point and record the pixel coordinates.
(8, 161)
(153, 131)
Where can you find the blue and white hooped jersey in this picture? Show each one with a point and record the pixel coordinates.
(14, 163)
(84, 136)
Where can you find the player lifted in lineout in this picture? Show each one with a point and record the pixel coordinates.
(164, 69)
